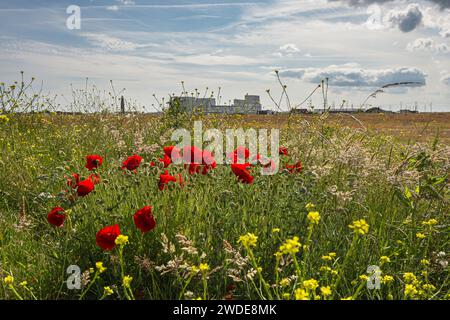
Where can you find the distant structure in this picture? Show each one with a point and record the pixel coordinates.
(408, 111)
(249, 105)
(377, 110)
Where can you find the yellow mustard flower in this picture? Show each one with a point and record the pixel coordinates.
(326, 291)
(121, 240)
(410, 291)
(425, 262)
(313, 217)
(387, 279)
(359, 227)
(311, 284)
(385, 259)
(430, 223)
(4, 118)
(276, 230)
(310, 206)
(203, 267)
(325, 269)
(126, 282)
(8, 280)
(248, 240)
(428, 287)
(100, 267)
(285, 282)
(409, 277)
(107, 291)
(291, 246)
(301, 294)
(194, 269)
(363, 277)
(420, 235)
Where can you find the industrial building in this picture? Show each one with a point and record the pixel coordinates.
(249, 105)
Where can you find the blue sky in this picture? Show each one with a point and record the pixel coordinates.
(149, 46)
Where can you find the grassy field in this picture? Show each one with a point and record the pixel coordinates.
(373, 194)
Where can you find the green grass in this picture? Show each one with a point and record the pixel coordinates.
(348, 175)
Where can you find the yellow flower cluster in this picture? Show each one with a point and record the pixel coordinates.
(387, 279)
(291, 246)
(311, 284)
(301, 294)
(385, 259)
(409, 277)
(329, 257)
(121, 240)
(203, 267)
(425, 262)
(8, 280)
(100, 267)
(326, 291)
(285, 282)
(313, 217)
(410, 291)
(430, 223)
(126, 281)
(4, 118)
(249, 240)
(107, 291)
(359, 227)
(420, 235)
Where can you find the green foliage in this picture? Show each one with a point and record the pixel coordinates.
(347, 176)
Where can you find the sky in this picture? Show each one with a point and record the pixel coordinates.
(150, 46)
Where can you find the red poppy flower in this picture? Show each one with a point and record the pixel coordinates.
(202, 165)
(295, 168)
(172, 152)
(283, 151)
(166, 160)
(93, 161)
(56, 217)
(192, 154)
(95, 178)
(85, 187)
(166, 178)
(144, 220)
(106, 237)
(239, 155)
(71, 183)
(132, 163)
(240, 170)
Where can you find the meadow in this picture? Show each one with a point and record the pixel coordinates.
(358, 210)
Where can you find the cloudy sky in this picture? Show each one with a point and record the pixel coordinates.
(150, 46)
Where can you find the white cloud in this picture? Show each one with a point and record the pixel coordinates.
(110, 43)
(127, 2)
(441, 3)
(406, 20)
(352, 75)
(427, 44)
(112, 8)
(288, 50)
